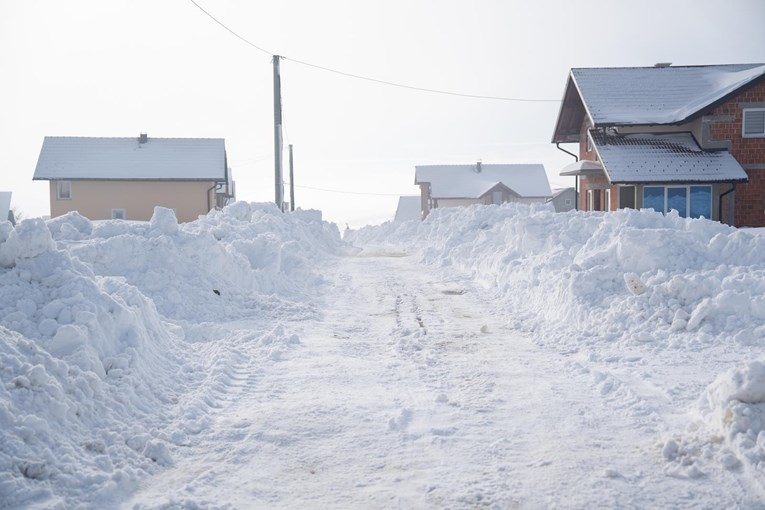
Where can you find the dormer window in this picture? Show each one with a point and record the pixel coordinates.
(754, 123)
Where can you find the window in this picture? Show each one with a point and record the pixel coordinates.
(63, 190)
(118, 214)
(688, 201)
(626, 197)
(754, 123)
(567, 201)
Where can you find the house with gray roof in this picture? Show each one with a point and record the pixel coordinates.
(125, 178)
(460, 185)
(684, 138)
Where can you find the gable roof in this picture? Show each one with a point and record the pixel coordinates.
(673, 157)
(186, 159)
(647, 95)
(464, 181)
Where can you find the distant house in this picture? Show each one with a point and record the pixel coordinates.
(408, 208)
(563, 199)
(125, 178)
(6, 214)
(459, 185)
(689, 139)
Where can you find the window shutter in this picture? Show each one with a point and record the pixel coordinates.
(754, 122)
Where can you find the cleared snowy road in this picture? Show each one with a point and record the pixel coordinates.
(411, 391)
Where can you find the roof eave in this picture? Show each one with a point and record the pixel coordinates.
(569, 138)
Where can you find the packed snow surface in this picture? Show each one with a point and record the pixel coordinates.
(490, 356)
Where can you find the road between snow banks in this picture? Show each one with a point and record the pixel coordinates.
(412, 392)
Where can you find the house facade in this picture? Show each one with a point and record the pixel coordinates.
(689, 139)
(125, 178)
(563, 199)
(462, 185)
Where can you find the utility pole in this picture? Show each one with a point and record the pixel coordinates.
(278, 179)
(292, 183)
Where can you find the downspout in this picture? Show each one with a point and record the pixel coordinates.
(719, 205)
(216, 187)
(576, 178)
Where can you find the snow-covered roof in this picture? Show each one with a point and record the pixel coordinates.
(582, 167)
(658, 95)
(409, 208)
(646, 95)
(198, 159)
(465, 181)
(674, 157)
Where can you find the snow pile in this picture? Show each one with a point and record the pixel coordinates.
(95, 370)
(630, 277)
(223, 265)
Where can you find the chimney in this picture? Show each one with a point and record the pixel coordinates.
(478, 167)
(143, 138)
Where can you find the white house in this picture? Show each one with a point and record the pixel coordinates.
(459, 185)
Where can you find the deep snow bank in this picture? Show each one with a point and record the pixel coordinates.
(634, 282)
(633, 277)
(93, 376)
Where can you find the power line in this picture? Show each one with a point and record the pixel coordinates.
(229, 30)
(421, 89)
(375, 80)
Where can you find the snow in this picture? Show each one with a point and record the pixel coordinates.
(499, 356)
(408, 208)
(674, 157)
(69, 157)
(657, 95)
(464, 181)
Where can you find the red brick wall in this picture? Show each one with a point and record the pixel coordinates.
(750, 197)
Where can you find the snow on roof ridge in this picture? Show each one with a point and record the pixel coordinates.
(133, 137)
(673, 66)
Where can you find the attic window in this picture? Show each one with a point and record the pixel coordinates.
(754, 123)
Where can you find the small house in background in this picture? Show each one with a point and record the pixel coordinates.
(5, 207)
(563, 199)
(125, 178)
(408, 208)
(685, 138)
(459, 185)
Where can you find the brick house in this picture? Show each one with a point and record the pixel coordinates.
(125, 178)
(685, 138)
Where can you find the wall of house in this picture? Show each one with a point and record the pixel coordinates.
(96, 199)
(726, 124)
(695, 127)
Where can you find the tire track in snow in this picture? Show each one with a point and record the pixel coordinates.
(411, 392)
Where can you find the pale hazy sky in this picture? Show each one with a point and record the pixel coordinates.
(162, 67)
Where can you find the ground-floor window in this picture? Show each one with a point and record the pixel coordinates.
(626, 197)
(688, 201)
(593, 200)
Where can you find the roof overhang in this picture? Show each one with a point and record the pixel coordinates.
(663, 158)
(584, 167)
(572, 113)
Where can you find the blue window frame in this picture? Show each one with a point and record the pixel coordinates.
(653, 198)
(701, 201)
(677, 199)
(688, 201)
